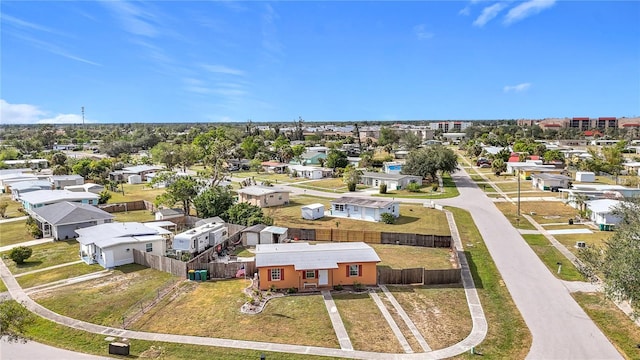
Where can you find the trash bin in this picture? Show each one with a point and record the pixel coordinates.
(117, 348)
(203, 275)
(192, 274)
(601, 227)
(570, 221)
(197, 275)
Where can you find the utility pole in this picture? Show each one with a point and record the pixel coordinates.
(82, 116)
(518, 173)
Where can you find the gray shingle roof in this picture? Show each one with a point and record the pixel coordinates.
(64, 213)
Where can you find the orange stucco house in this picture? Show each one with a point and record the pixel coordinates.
(303, 266)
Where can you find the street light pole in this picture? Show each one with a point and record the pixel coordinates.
(518, 173)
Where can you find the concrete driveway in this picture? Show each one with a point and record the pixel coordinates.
(559, 326)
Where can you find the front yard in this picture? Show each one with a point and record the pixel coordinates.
(404, 257)
(212, 309)
(133, 192)
(14, 232)
(46, 255)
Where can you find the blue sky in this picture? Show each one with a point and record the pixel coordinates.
(163, 61)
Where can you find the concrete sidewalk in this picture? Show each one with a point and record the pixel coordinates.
(2, 221)
(407, 320)
(48, 268)
(336, 321)
(26, 243)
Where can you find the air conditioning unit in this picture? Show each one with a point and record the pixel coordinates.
(581, 244)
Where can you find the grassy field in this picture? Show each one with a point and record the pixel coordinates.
(450, 190)
(133, 192)
(13, 207)
(550, 256)
(3, 287)
(508, 336)
(137, 216)
(14, 232)
(103, 301)
(52, 275)
(50, 333)
(413, 219)
(616, 325)
(46, 255)
(439, 312)
(510, 212)
(360, 315)
(401, 256)
(597, 238)
(273, 178)
(301, 320)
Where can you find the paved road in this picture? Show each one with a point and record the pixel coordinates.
(559, 326)
(33, 350)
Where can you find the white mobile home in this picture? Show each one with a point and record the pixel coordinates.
(111, 244)
(585, 176)
(201, 238)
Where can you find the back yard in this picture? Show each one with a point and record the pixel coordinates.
(14, 232)
(413, 219)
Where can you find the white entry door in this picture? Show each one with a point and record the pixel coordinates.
(323, 277)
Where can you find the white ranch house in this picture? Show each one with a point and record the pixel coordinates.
(361, 208)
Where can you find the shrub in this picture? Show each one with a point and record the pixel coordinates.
(414, 187)
(434, 187)
(337, 287)
(292, 290)
(104, 197)
(387, 218)
(357, 286)
(20, 254)
(383, 188)
(351, 186)
(33, 228)
(272, 288)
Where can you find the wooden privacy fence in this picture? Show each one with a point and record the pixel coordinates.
(162, 263)
(372, 237)
(126, 206)
(387, 275)
(219, 270)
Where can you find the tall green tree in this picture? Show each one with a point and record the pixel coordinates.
(429, 161)
(619, 259)
(498, 166)
(410, 140)
(14, 318)
(351, 177)
(181, 190)
(166, 154)
(387, 136)
(215, 147)
(336, 159)
(213, 201)
(247, 215)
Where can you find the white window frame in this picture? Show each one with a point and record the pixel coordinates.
(149, 247)
(275, 274)
(339, 207)
(310, 274)
(353, 273)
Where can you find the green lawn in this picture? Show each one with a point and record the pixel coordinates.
(52, 275)
(273, 178)
(508, 336)
(46, 255)
(50, 333)
(360, 315)
(450, 190)
(596, 238)
(401, 256)
(104, 301)
(510, 212)
(14, 232)
(13, 207)
(135, 216)
(3, 287)
(616, 325)
(133, 192)
(413, 219)
(550, 256)
(301, 320)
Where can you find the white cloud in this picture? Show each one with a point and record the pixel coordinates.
(422, 33)
(488, 13)
(270, 43)
(516, 88)
(221, 69)
(134, 19)
(31, 114)
(527, 9)
(466, 11)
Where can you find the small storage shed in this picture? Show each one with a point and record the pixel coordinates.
(313, 211)
(134, 179)
(251, 235)
(273, 235)
(585, 176)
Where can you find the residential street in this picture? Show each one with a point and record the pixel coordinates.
(560, 328)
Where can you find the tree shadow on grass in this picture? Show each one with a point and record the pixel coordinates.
(29, 264)
(403, 220)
